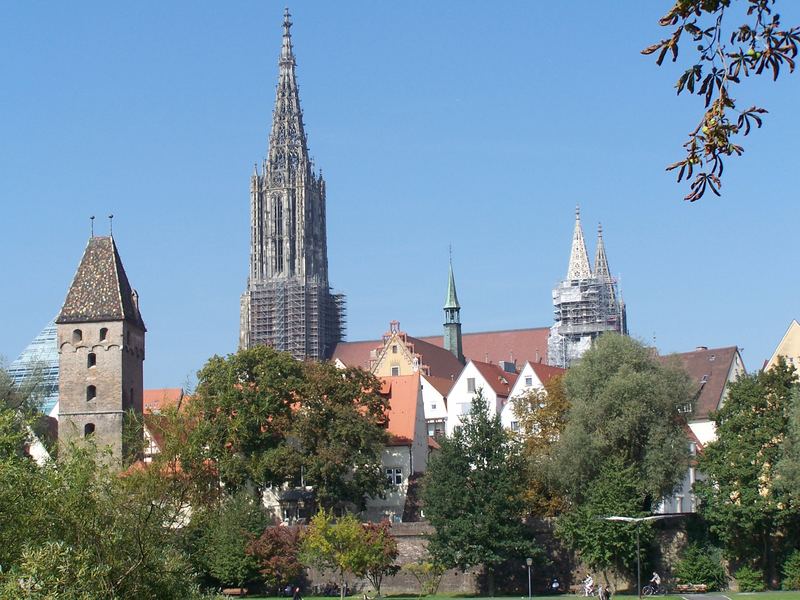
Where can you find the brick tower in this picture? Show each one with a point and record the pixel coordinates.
(100, 350)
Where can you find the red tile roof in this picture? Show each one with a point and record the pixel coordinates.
(518, 345)
(708, 370)
(487, 346)
(441, 384)
(442, 363)
(403, 395)
(545, 372)
(500, 380)
(157, 400)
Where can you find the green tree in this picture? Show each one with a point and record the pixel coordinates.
(381, 550)
(338, 434)
(722, 54)
(623, 404)
(473, 496)
(542, 415)
(242, 411)
(226, 533)
(604, 545)
(277, 554)
(335, 544)
(744, 508)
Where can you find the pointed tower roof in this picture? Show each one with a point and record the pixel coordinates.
(452, 298)
(600, 260)
(287, 136)
(578, 260)
(100, 290)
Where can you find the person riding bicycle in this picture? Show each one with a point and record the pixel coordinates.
(588, 586)
(655, 580)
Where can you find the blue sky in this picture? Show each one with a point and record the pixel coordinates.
(463, 123)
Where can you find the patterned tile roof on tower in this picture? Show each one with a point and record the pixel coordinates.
(100, 290)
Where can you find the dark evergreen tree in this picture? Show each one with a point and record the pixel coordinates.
(473, 496)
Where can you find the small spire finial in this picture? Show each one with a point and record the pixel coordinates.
(578, 212)
(111, 225)
(600, 229)
(287, 56)
(91, 220)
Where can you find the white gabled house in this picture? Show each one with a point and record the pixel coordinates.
(494, 382)
(533, 376)
(434, 400)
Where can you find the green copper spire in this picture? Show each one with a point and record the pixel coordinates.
(452, 298)
(452, 318)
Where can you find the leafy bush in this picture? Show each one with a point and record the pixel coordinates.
(791, 571)
(750, 580)
(701, 565)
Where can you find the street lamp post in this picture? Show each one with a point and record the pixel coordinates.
(636, 521)
(529, 562)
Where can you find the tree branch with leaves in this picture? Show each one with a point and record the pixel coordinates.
(725, 54)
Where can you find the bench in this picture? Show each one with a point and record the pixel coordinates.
(691, 588)
(235, 592)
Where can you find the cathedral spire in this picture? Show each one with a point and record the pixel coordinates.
(287, 56)
(578, 260)
(601, 270)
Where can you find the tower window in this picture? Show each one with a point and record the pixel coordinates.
(91, 360)
(77, 336)
(103, 334)
(91, 393)
(88, 429)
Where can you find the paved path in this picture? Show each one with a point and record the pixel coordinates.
(712, 596)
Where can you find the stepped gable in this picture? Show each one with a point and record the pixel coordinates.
(487, 346)
(100, 290)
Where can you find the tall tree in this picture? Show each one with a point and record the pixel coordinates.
(338, 434)
(473, 496)
(242, 411)
(382, 552)
(542, 415)
(623, 403)
(722, 54)
(739, 498)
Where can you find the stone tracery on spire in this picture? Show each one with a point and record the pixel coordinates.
(578, 259)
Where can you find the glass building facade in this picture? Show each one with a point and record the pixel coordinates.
(37, 366)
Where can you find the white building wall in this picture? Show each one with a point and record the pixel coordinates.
(527, 381)
(434, 403)
(460, 397)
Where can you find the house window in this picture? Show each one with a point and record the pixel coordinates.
(103, 334)
(529, 381)
(679, 504)
(88, 429)
(394, 475)
(91, 360)
(394, 348)
(77, 336)
(685, 408)
(436, 428)
(470, 384)
(514, 426)
(433, 407)
(91, 393)
(395, 371)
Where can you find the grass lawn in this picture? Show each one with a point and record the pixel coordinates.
(732, 596)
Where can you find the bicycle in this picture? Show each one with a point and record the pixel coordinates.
(654, 590)
(580, 592)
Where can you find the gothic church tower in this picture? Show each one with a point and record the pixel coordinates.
(288, 303)
(100, 336)
(586, 303)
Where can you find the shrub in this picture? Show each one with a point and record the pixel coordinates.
(791, 571)
(750, 580)
(701, 565)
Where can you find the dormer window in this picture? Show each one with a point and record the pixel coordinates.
(77, 336)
